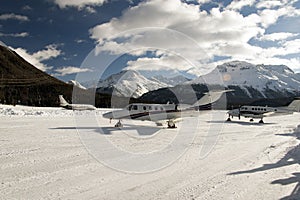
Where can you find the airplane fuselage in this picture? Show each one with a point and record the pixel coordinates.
(79, 107)
(257, 112)
(151, 112)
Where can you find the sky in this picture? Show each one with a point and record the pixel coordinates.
(70, 39)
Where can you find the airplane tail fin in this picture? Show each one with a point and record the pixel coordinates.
(210, 97)
(295, 105)
(62, 101)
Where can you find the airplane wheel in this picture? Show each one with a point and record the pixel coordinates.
(171, 124)
(119, 125)
(228, 119)
(261, 121)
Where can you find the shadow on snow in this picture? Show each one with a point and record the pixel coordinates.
(141, 130)
(292, 157)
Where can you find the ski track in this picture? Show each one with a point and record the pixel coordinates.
(42, 157)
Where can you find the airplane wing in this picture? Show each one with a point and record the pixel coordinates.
(271, 114)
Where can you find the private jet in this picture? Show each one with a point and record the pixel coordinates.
(259, 112)
(171, 113)
(66, 105)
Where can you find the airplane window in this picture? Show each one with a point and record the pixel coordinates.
(144, 107)
(252, 108)
(129, 107)
(156, 108)
(246, 108)
(150, 107)
(265, 109)
(135, 107)
(161, 108)
(275, 109)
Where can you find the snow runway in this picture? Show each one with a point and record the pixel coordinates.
(42, 156)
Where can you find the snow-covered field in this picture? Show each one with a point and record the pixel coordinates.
(45, 154)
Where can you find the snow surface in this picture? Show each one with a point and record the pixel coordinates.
(42, 156)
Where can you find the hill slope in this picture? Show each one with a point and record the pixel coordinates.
(22, 83)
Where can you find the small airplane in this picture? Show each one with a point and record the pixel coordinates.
(171, 113)
(259, 112)
(66, 105)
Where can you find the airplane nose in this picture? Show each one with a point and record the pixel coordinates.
(108, 115)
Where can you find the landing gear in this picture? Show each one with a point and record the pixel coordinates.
(119, 124)
(228, 119)
(261, 121)
(171, 124)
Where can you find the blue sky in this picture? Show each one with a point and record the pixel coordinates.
(190, 36)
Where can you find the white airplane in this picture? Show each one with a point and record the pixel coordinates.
(66, 105)
(259, 112)
(171, 113)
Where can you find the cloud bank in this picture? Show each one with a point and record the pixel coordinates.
(222, 32)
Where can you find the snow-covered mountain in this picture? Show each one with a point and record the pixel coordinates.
(76, 83)
(129, 84)
(172, 81)
(261, 77)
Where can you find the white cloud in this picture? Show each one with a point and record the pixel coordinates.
(27, 7)
(23, 34)
(188, 31)
(14, 17)
(91, 10)
(277, 36)
(166, 62)
(71, 70)
(50, 51)
(78, 3)
(202, 1)
(38, 57)
(261, 4)
(238, 4)
(270, 16)
(80, 41)
(269, 4)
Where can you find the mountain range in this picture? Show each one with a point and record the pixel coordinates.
(129, 83)
(22, 83)
(250, 82)
(263, 78)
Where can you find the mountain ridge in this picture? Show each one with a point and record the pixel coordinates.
(22, 83)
